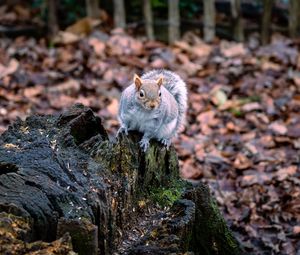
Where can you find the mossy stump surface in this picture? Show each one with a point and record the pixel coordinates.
(65, 188)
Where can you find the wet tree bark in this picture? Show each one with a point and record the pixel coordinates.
(237, 20)
(266, 21)
(174, 20)
(119, 13)
(53, 27)
(148, 19)
(209, 20)
(65, 186)
(293, 17)
(92, 9)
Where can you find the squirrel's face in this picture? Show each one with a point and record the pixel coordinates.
(148, 92)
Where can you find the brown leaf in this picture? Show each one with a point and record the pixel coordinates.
(10, 69)
(65, 38)
(22, 12)
(268, 65)
(98, 46)
(251, 107)
(189, 172)
(294, 130)
(201, 50)
(296, 230)
(296, 79)
(191, 68)
(215, 156)
(70, 86)
(60, 101)
(10, 96)
(207, 118)
(231, 50)
(267, 141)
(132, 61)
(182, 45)
(255, 178)
(200, 152)
(86, 101)
(2, 129)
(241, 162)
(278, 128)
(33, 91)
(83, 26)
(121, 44)
(158, 63)
(113, 107)
(251, 148)
(286, 172)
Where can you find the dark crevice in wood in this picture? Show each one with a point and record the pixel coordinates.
(6, 168)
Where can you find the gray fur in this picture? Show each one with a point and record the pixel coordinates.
(161, 123)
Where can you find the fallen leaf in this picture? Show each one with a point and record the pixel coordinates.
(219, 97)
(33, 91)
(83, 27)
(267, 65)
(64, 37)
(158, 63)
(294, 130)
(121, 44)
(190, 173)
(201, 50)
(98, 46)
(296, 230)
(241, 162)
(255, 178)
(251, 107)
(286, 172)
(231, 50)
(10, 69)
(113, 107)
(278, 128)
(70, 86)
(60, 101)
(206, 118)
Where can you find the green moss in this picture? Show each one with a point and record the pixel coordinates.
(216, 225)
(166, 196)
(237, 112)
(250, 99)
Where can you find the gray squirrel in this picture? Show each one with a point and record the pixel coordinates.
(154, 104)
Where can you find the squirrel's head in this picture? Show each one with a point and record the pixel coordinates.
(148, 92)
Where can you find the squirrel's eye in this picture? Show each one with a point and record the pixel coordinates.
(142, 93)
(159, 94)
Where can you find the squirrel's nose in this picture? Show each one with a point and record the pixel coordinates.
(152, 106)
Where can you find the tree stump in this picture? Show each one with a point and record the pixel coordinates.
(65, 188)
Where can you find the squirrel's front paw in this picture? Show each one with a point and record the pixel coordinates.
(144, 143)
(166, 142)
(121, 130)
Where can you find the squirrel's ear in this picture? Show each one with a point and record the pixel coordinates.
(137, 81)
(160, 81)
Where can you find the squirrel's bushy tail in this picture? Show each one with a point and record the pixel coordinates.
(176, 86)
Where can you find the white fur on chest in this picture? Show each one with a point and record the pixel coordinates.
(150, 123)
(141, 120)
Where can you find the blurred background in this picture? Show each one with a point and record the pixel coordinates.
(240, 59)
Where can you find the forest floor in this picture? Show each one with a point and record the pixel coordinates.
(243, 130)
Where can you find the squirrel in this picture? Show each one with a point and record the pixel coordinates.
(154, 104)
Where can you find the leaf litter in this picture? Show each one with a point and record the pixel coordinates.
(243, 123)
